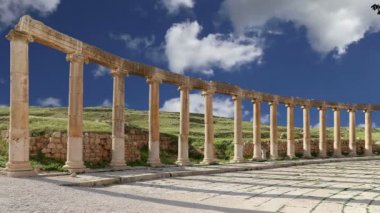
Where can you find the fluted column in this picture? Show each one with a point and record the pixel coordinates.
(18, 164)
(154, 121)
(74, 162)
(290, 152)
(367, 133)
(322, 132)
(183, 139)
(306, 131)
(209, 156)
(118, 137)
(337, 141)
(257, 155)
(352, 132)
(238, 134)
(273, 130)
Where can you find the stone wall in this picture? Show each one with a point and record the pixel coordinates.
(97, 146)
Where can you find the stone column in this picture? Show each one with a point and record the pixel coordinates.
(273, 130)
(367, 133)
(183, 139)
(290, 152)
(352, 133)
(322, 132)
(209, 156)
(118, 137)
(74, 162)
(257, 155)
(154, 122)
(306, 131)
(238, 134)
(337, 141)
(18, 164)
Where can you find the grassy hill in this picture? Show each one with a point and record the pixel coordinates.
(96, 119)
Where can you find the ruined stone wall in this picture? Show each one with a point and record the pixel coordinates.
(96, 146)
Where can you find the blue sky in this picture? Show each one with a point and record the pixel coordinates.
(321, 49)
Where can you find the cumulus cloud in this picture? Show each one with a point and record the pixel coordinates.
(134, 43)
(173, 6)
(223, 107)
(330, 25)
(49, 102)
(362, 125)
(11, 10)
(185, 50)
(100, 71)
(265, 119)
(106, 103)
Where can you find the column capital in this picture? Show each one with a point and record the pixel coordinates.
(351, 109)
(337, 107)
(210, 89)
(238, 95)
(155, 78)
(76, 57)
(119, 72)
(306, 105)
(322, 107)
(16, 35)
(257, 99)
(185, 85)
(274, 101)
(289, 103)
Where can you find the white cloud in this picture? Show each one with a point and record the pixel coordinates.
(10, 10)
(100, 71)
(173, 6)
(106, 103)
(315, 125)
(186, 51)
(265, 119)
(330, 25)
(223, 107)
(49, 101)
(134, 43)
(362, 125)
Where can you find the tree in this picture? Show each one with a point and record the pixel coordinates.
(376, 7)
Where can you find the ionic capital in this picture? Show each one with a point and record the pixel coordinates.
(118, 72)
(210, 89)
(351, 109)
(289, 103)
(186, 85)
(322, 107)
(76, 58)
(16, 35)
(155, 78)
(367, 109)
(306, 105)
(238, 95)
(337, 107)
(274, 101)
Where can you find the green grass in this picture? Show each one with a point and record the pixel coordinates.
(96, 119)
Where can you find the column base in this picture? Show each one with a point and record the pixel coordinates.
(274, 157)
(209, 162)
(238, 161)
(337, 155)
(154, 162)
(183, 162)
(368, 153)
(307, 156)
(291, 157)
(352, 154)
(119, 166)
(19, 169)
(257, 159)
(77, 167)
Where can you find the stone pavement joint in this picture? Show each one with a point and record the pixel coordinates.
(94, 179)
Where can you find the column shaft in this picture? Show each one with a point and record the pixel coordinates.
(322, 133)
(118, 137)
(238, 134)
(337, 141)
(183, 139)
(74, 162)
(209, 129)
(273, 131)
(290, 131)
(18, 164)
(368, 133)
(154, 122)
(306, 132)
(257, 155)
(352, 133)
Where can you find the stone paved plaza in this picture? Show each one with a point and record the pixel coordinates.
(332, 187)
